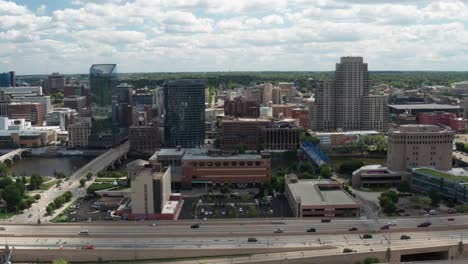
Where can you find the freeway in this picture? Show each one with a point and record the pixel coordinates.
(229, 227)
(73, 185)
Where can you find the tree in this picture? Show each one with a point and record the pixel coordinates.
(12, 196)
(89, 175)
(241, 148)
(306, 167)
(404, 187)
(290, 155)
(371, 260)
(252, 211)
(308, 175)
(3, 170)
(388, 206)
(325, 171)
(82, 182)
(35, 182)
(434, 195)
(392, 195)
(350, 166)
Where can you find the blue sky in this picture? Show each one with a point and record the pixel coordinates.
(43, 36)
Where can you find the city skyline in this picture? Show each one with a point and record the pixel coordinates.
(39, 37)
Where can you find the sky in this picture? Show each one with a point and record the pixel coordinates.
(68, 36)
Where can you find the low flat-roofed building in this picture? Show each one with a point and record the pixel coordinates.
(378, 176)
(452, 184)
(201, 167)
(319, 198)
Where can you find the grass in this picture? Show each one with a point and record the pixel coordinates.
(47, 185)
(441, 174)
(6, 215)
(105, 180)
(98, 186)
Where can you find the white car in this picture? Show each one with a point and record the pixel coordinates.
(240, 209)
(392, 223)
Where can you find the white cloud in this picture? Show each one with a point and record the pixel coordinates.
(238, 35)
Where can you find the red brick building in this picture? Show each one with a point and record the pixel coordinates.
(31, 112)
(240, 107)
(443, 118)
(199, 167)
(303, 115)
(282, 111)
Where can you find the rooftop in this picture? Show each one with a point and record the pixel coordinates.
(315, 192)
(102, 68)
(441, 174)
(423, 106)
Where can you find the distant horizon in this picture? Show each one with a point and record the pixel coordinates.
(162, 72)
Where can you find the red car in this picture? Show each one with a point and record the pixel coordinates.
(88, 247)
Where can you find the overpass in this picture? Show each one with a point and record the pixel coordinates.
(106, 160)
(315, 154)
(10, 156)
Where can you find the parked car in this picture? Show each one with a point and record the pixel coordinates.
(278, 230)
(451, 219)
(252, 239)
(433, 212)
(347, 250)
(405, 237)
(392, 223)
(311, 230)
(424, 224)
(366, 236)
(83, 232)
(87, 247)
(326, 220)
(195, 226)
(353, 229)
(2, 228)
(452, 211)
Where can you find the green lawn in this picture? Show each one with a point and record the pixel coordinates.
(47, 185)
(442, 174)
(6, 215)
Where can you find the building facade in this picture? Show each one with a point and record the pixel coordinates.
(420, 145)
(75, 102)
(184, 120)
(240, 107)
(31, 112)
(105, 131)
(78, 134)
(199, 167)
(344, 104)
(54, 83)
(144, 139)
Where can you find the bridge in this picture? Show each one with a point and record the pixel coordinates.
(315, 154)
(106, 160)
(10, 156)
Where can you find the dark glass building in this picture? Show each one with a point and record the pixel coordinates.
(105, 131)
(8, 79)
(184, 120)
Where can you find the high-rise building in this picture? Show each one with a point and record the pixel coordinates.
(267, 93)
(75, 102)
(7, 79)
(344, 104)
(54, 83)
(240, 107)
(351, 85)
(184, 120)
(144, 139)
(105, 130)
(375, 113)
(420, 146)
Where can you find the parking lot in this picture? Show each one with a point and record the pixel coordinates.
(200, 208)
(86, 210)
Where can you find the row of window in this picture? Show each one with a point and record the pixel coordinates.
(226, 163)
(421, 142)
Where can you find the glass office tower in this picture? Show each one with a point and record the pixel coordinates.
(184, 120)
(104, 127)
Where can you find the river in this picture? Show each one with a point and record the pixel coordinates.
(46, 166)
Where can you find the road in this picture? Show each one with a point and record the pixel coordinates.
(38, 209)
